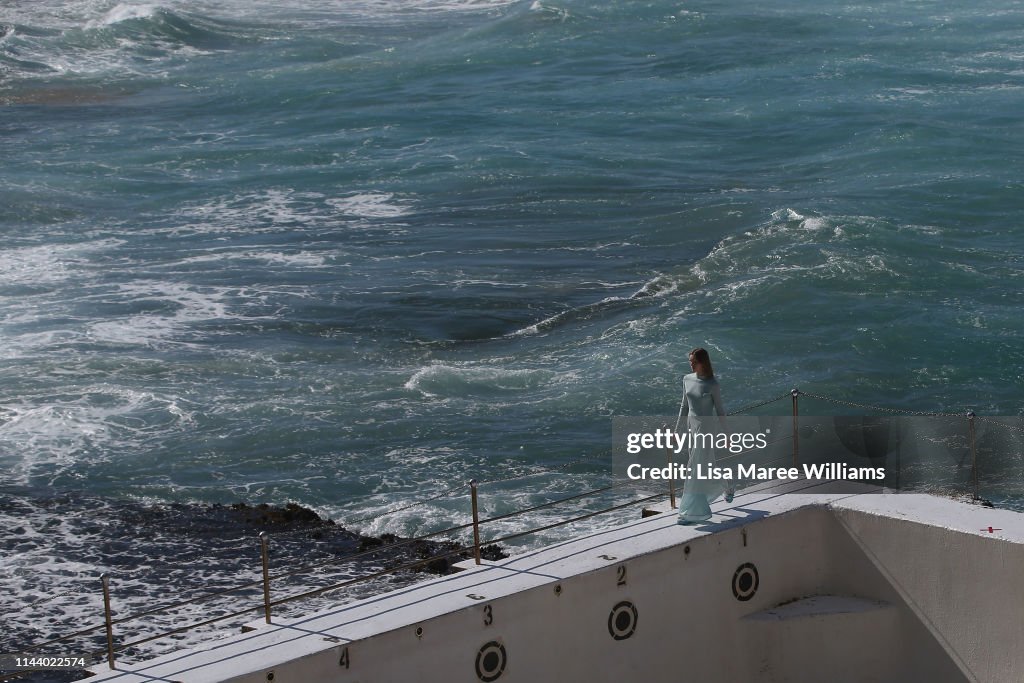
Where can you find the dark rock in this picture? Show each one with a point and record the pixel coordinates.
(439, 556)
(492, 552)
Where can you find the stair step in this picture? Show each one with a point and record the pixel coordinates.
(819, 606)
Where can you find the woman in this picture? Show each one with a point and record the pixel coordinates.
(702, 400)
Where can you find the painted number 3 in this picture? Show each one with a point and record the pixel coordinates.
(488, 615)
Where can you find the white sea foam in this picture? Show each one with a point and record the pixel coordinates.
(48, 263)
(370, 205)
(20, 345)
(806, 222)
(552, 320)
(48, 435)
(657, 287)
(376, 8)
(191, 305)
(218, 257)
(286, 208)
(559, 13)
(123, 12)
(302, 259)
(53, 14)
(70, 14)
(457, 381)
(71, 42)
(797, 250)
(450, 5)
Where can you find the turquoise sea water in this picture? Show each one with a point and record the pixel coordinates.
(349, 254)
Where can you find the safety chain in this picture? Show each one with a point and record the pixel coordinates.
(853, 404)
(762, 403)
(982, 418)
(51, 598)
(541, 470)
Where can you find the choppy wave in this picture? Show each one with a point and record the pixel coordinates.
(286, 209)
(657, 287)
(370, 205)
(126, 40)
(115, 40)
(48, 264)
(468, 381)
(790, 249)
(123, 12)
(43, 439)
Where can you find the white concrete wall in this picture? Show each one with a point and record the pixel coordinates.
(905, 600)
(690, 626)
(966, 589)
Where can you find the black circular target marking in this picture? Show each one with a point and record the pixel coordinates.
(744, 582)
(622, 620)
(491, 661)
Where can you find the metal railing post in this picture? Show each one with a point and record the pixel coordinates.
(671, 490)
(266, 574)
(974, 453)
(105, 580)
(671, 480)
(796, 432)
(476, 521)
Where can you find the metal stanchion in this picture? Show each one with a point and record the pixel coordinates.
(974, 453)
(671, 480)
(105, 580)
(476, 522)
(264, 539)
(671, 484)
(796, 432)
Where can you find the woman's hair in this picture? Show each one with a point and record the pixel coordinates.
(701, 356)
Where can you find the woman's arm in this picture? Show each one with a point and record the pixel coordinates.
(684, 406)
(716, 394)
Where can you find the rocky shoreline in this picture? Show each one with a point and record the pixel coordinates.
(438, 557)
(172, 555)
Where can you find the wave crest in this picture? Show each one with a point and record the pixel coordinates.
(453, 380)
(121, 13)
(126, 40)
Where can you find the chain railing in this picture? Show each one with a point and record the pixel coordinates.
(267, 603)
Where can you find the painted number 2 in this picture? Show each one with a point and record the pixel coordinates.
(621, 573)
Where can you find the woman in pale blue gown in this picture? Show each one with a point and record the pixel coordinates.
(702, 403)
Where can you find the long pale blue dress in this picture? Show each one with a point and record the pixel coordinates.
(702, 403)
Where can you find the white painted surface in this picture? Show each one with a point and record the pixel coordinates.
(878, 588)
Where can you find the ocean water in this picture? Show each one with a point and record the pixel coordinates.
(352, 254)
